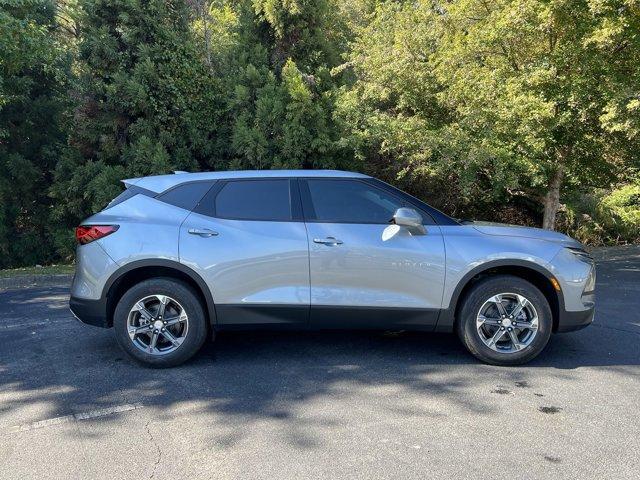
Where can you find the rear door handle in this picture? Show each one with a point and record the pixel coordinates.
(202, 232)
(328, 241)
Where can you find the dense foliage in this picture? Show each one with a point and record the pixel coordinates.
(34, 74)
(524, 111)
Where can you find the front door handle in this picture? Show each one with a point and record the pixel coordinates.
(328, 241)
(202, 232)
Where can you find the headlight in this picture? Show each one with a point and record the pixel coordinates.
(581, 254)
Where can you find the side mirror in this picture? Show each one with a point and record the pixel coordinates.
(410, 219)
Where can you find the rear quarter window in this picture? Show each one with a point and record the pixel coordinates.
(132, 191)
(186, 195)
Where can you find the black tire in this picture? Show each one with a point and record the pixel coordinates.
(473, 301)
(197, 325)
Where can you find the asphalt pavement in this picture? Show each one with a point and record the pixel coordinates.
(331, 405)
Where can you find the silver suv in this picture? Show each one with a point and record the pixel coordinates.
(176, 258)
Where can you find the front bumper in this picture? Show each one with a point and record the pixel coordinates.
(571, 321)
(91, 312)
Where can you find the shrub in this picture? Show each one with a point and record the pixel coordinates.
(604, 217)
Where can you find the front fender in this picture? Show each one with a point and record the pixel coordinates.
(470, 253)
(446, 319)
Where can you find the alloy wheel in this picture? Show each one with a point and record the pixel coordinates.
(157, 324)
(507, 322)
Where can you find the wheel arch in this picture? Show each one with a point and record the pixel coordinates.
(529, 271)
(128, 275)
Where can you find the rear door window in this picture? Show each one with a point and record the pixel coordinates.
(266, 200)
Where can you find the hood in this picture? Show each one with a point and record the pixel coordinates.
(489, 228)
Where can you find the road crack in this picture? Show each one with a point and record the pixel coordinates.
(158, 449)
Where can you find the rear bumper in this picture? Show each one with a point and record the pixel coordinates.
(91, 312)
(571, 321)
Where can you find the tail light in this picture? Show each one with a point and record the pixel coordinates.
(88, 233)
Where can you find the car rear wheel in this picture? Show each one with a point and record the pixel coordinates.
(160, 322)
(504, 320)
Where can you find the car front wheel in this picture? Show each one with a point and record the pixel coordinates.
(504, 320)
(160, 322)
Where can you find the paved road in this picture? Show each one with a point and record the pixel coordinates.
(329, 405)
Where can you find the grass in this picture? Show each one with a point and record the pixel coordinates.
(48, 270)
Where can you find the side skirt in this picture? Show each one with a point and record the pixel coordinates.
(377, 318)
(241, 316)
(320, 317)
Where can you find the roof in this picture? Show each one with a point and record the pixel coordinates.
(159, 183)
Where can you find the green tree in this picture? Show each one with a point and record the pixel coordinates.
(148, 103)
(276, 70)
(397, 123)
(34, 72)
(616, 34)
(527, 76)
(303, 30)
(504, 99)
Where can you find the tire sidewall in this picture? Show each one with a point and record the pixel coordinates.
(479, 294)
(183, 294)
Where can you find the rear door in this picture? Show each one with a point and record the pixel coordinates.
(247, 239)
(366, 273)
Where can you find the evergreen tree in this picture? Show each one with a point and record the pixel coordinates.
(34, 70)
(280, 90)
(148, 103)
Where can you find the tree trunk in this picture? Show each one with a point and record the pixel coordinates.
(207, 33)
(552, 199)
(202, 11)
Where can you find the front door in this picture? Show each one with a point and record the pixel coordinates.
(366, 273)
(249, 243)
